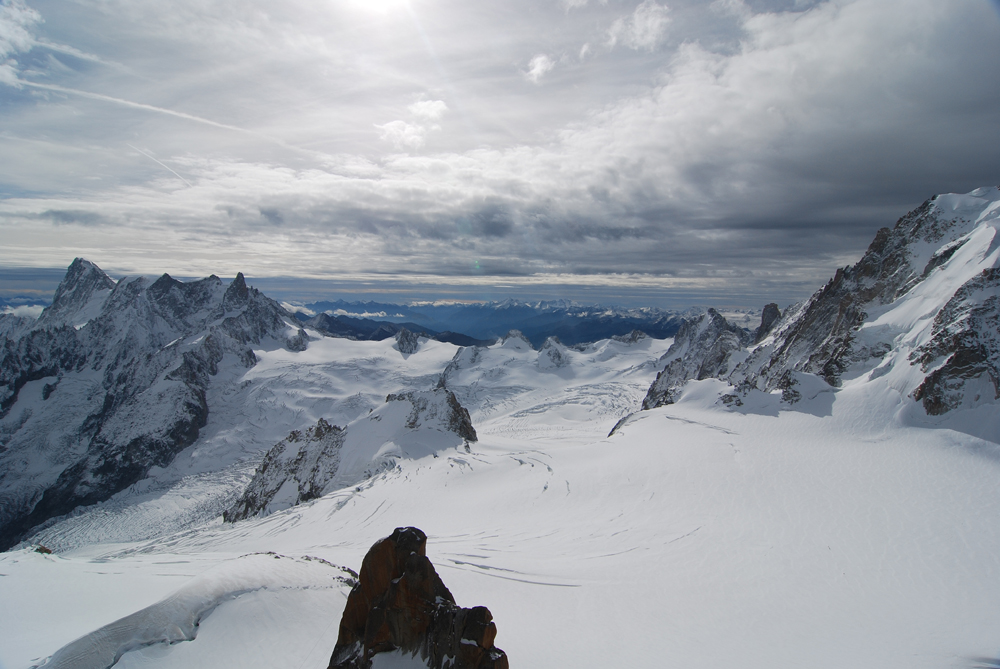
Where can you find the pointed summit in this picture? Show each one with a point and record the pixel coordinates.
(79, 297)
(237, 294)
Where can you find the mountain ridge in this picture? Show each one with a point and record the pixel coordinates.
(922, 301)
(138, 356)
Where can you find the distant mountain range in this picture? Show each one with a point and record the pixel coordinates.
(480, 323)
(115, 378)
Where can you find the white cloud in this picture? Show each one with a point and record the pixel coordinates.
(402, 134)
(538, 67)
(735, 8)
(431, 110)
(25, 311)
(8, 74)
(643, 29)
(15, 19)
(784, 148)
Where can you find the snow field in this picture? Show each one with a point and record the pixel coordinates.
(841, 533)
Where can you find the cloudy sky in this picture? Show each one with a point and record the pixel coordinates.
(729, 152)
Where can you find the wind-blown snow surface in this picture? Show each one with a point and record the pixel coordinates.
(833, 533)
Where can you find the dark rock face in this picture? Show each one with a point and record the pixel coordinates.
(820, 338)
(130, 363)
(966, 332)
(298, 342)
(768, 318)
(401, 605)
(700, 351)
(306, 460)
(407, 342)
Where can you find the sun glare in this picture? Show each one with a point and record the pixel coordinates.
(380, 6)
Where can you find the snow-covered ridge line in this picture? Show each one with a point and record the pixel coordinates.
(324, 458)
(920, 310)
(177, 617)
(111, 381)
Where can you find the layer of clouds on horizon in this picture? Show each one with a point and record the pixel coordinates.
(697, 148)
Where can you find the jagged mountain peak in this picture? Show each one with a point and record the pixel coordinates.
(79, 297)
(516, 339)
(140, 359)
(701, 350)
(920, 309)
(823, 336)
(237, 293)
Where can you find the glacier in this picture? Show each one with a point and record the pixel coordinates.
(830, 520)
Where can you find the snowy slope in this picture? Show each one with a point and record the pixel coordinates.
(918, 314)
(921, 304)
(697, 536)
(807, 525)
(304, 466)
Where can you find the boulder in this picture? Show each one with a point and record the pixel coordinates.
(400, 605)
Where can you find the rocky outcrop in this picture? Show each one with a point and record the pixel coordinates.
(324, 458)
(407, 342)
(436, 407)
(768, 318)
(966, 336)
(516, 339)
(400, 605)
(552, 355)
(632, 337)
(297, 469)
(298, 342)
(700, 351)
(116, 376)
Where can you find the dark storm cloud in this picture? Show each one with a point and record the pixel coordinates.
(756, 145)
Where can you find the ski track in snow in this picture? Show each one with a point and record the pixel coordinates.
(837, 534)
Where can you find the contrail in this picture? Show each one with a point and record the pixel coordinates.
(170, 112)
(167, 167)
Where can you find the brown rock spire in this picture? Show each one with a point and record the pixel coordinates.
(401, 604)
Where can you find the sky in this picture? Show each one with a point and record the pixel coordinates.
(733, 152)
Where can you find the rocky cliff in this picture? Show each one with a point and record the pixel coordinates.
(111, 380)
(922, 303)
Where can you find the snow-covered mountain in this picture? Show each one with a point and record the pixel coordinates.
(304, 466)
(701, 350)
(111, 381)
(778, 510)
(920, 312)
